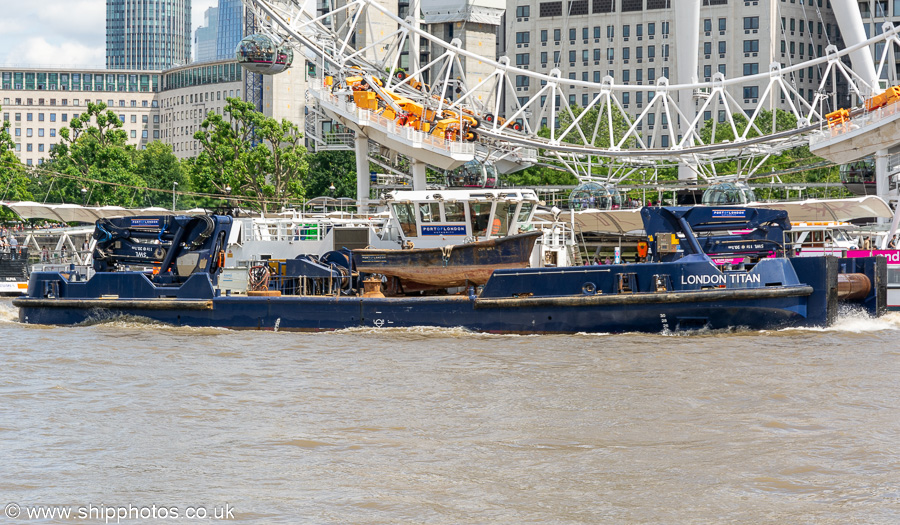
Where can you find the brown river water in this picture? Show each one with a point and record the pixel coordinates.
(449, 427)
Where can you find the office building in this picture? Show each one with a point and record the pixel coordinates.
(147, 34)
(633, 42)
(168, 105)
(205, 38)
(231, 25)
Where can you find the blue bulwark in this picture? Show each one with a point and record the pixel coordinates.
(145, 223)
(446, 229)
(741, 213)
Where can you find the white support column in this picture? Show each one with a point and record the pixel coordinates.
(882, 186)
(687, 44)
(362, 173)
(853, 32)
(415, 41)
(418, 173)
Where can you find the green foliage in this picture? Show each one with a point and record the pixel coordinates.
(540, 176)
(255, 156)
(14, 183)
(94, 147)
(332, 167)
(160, 168)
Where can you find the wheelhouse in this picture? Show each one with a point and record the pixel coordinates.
(817, 238)
(429, 218)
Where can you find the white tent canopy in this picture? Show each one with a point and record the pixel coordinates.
(621, 222)
(844, 210)
(76, 213)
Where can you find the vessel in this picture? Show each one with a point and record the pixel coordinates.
(678, 288)
(450, 265)
(14, 272)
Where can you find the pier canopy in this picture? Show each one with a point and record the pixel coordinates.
(76, 213)
(594, 196)
(261, 54)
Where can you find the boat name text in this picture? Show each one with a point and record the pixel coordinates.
(713, 279)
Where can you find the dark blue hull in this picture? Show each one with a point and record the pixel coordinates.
(322, 314)
(647, 297)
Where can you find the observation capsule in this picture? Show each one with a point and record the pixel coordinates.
(260, 54)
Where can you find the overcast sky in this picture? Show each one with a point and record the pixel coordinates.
(63, 33)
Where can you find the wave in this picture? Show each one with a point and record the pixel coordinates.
(8, 312)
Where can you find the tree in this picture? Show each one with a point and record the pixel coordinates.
(160, 168)
(13, 180)
(252, 155)
(327, 168)
(93, 147)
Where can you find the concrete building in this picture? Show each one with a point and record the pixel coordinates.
(168, 106)
(633, 41)
(147, 34)
(476, 24)
(205, 37)
(38, 102)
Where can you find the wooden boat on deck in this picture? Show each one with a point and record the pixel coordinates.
(451, 265)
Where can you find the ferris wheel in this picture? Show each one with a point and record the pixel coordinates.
(456, 117)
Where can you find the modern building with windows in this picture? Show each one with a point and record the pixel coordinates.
(147, 34)
(205, 37)
(633, 42)
(168, 106)
(38, 102)
(231, 24)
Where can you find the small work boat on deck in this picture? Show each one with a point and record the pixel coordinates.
(451, 265)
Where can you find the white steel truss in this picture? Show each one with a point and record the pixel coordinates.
(616, 138)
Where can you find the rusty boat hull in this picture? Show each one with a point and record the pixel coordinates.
(449, 266)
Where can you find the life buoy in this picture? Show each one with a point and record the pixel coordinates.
(159, 253)
(588, 288)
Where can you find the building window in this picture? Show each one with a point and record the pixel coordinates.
(751, 22)
(604, 6)
(751, 92)
(550, 9)
(578, 7)
(751, 46)
(523, 11)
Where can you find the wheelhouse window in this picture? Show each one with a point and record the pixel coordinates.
(407, 219)
(430, 212)
(481, 213)
(454, 212)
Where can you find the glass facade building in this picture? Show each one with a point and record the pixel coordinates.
(205, 37)
(147, 34)
(231, 28)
